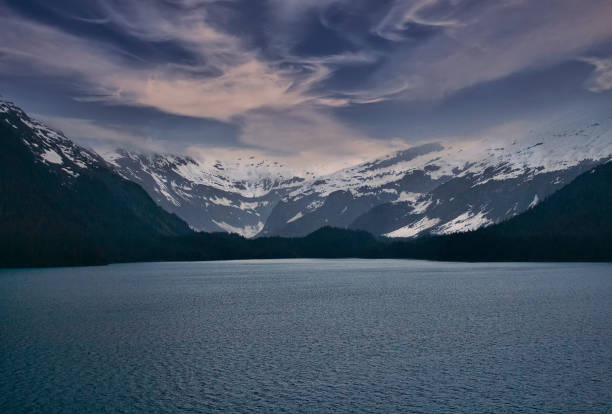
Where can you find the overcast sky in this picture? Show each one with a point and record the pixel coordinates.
(312, 82)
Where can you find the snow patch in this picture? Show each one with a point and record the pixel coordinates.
(221, 201)
(414, 229)
(408, 196)
(246, 231)
(467, 221)
(9, 122)
(52, 157)
(70, 172)
(163, 189)
(296, 217)
(420, 207)
(315, 205)
(251, 205)
(534, 202)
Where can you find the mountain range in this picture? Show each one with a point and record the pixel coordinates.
(64, 204)
(433, 188)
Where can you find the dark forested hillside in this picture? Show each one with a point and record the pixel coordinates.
(61, 205)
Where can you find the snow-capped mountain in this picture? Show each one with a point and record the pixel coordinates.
(234, 197)
(240, 196)
(432, 188)
(49, 146)
(448, 188)
(499, 183)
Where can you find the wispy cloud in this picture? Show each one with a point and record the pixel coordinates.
(96, 134)
(487, 43)
(313, 137)
(269, 69)
(421, 12)
(225, 77)
(224, 81)
(601, 80)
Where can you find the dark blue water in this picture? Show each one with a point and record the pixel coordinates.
(307, 336)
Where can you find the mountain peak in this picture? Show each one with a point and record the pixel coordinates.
(47, 144)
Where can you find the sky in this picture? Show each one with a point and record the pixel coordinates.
(318, 84)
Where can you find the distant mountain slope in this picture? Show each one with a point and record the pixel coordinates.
(467, 202)
(432, 188)
(62, 204)
(449, 188)
(232, 197)
(575, 223)
(338, 199)
(427, 189)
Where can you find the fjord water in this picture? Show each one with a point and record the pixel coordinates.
(307, 336)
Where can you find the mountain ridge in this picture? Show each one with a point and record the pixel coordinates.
(62, 204)
(434, 188)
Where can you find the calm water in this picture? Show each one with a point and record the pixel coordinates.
(307, 336)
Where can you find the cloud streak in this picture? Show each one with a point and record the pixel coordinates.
(403, 14)
(238, 80)
(601, 81)
(490, 43)
(89, 130)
